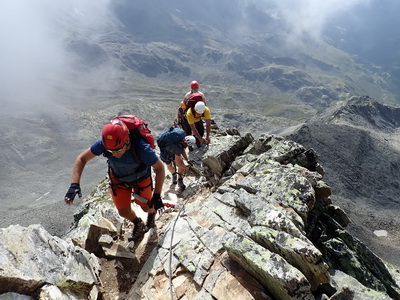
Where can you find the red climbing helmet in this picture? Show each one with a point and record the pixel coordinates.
(115, 135)
(194, 85)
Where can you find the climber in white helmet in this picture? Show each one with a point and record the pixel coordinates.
(193, 122)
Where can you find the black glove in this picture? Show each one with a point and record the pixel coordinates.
(73, 190)
(157, 203)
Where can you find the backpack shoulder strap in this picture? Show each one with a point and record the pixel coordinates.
(134, 139)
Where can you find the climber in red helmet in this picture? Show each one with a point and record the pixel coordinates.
(194, 89)
(130, 161)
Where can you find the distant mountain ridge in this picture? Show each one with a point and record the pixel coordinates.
(237, 47)
(366, 112)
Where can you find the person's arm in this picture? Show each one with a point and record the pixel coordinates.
(204, 99)
(191, 120)
(80, 163)
(159, 170)
(179, 150)
(208, 130)
(179, 115)
(197, 134)
(156, 204)
(77, 171)
(187, 95)
(184, 154)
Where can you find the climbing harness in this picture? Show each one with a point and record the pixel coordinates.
(140, 198)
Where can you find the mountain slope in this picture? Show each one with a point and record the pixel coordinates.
(140, 58)
(358, 143)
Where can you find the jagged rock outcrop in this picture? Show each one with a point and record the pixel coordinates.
(32, 262)
(265, 217)
(259, 224)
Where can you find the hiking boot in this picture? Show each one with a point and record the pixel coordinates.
(151, 221)
(181, 185)
(174, 178)
(138, 231)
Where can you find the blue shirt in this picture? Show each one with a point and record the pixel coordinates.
(126, 168)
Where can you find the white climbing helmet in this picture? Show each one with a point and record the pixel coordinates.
(200, 107)
(190, 140)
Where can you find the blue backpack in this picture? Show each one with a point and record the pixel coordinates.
(170, 136)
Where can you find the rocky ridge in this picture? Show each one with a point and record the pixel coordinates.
(259, 223)
(358, 144)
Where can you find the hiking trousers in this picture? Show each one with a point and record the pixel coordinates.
(122, 194)
(199, 126)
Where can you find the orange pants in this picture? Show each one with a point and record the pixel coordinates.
(122, 195)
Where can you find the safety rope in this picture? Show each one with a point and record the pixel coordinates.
(170, 254)
(171, 242)
(180, 210)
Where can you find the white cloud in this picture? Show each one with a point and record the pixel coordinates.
(33, 34)
(309, 16)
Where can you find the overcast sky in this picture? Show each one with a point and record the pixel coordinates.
(33, 57)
